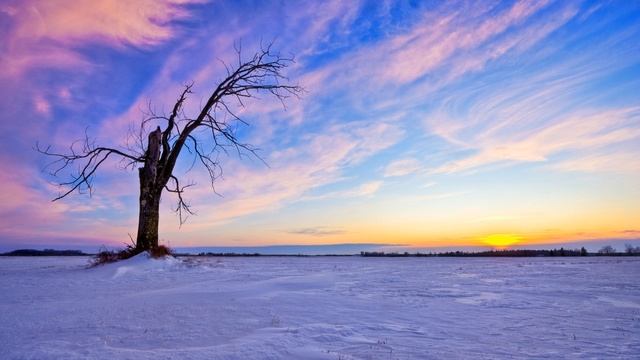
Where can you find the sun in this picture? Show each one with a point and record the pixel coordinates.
(501, 240)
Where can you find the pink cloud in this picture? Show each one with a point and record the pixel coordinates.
(140, 23)
(44, 31)
(449, 42)
(576, 132)
(366, 189)
(440, 40)
(426, 51)
(22, 207)
(26, 209)
(612, 161)
(519, 41)
(41, 105)
(292, 172)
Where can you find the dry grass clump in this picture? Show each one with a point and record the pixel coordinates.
(105, 256)
(160, 251)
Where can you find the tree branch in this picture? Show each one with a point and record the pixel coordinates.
(182, 205)
(91, 158)
(262, 73)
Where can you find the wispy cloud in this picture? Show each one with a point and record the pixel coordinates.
(599, 161)
(430, 45)
(316, 231)
(528, 143)
(292, 173)
(446, 44)
(363, 190)
(26, 210)
(402, 167)
(46, 33)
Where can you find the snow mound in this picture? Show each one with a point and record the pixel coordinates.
(141, 264)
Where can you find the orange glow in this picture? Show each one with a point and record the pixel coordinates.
(501, 240)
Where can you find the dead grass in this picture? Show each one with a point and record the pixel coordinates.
(160, 251)
(105, 256)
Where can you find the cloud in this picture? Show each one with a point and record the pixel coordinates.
(611, 161)
(41, 105)
(139, 23)
(316, 231)
(517, 42)
(374, 136)
(428, 46)
(316, 25)
(402, 167)
(45, 33)
(552, 114)
(575, 133)
(319, 159)
(429, 184)
(26, 210)
(447, 42)
(364, 190)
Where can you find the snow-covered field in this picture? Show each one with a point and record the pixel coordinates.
(320, 308)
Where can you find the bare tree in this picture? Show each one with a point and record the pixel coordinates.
(607, 250)
(631, 250)
(205, 136)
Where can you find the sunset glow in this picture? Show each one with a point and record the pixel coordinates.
(424, 124)
(501, 241)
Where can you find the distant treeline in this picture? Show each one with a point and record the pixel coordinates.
(45, 252)
(605, 251)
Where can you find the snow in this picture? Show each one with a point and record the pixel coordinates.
(320, 308)
(140, 265)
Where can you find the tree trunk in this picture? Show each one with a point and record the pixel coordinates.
(150, 192)
(148, 220)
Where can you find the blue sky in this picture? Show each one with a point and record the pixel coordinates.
(423, 123)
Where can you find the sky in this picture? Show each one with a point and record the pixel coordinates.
(423, 123)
